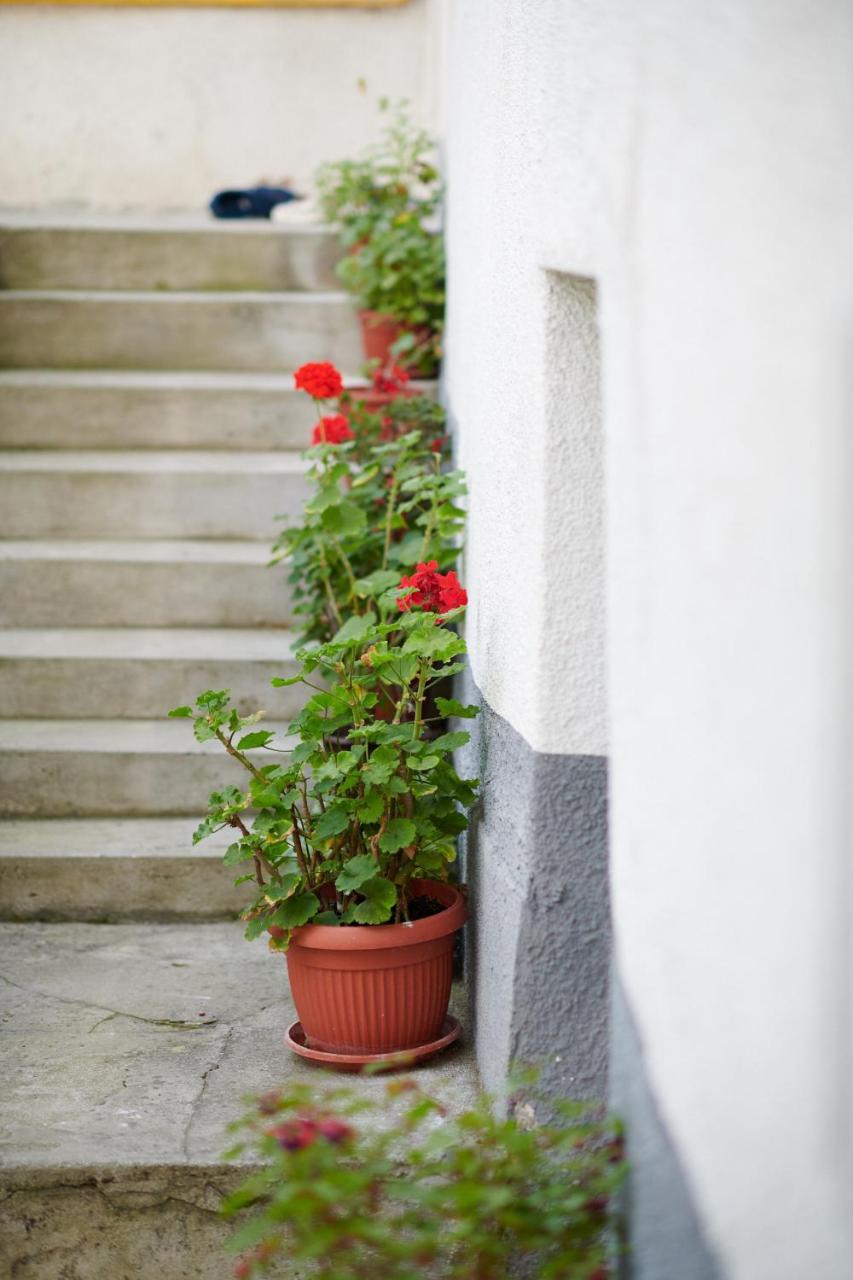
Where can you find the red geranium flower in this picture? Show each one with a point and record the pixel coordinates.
(294, 1135)
(332, 430)
(433, 592)
(336, 1131)
(453, 594)
(322, 380)
(388, 381)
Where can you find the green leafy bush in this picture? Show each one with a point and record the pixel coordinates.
(336, 828)
(343, 1195)
(381, 500)
(386, 208)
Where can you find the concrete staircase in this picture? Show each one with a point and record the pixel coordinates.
(148, 439)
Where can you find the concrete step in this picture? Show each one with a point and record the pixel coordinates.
(127, 1051)
(101, 869)
(162, 252)
(141, 584)
(118, 672)
(72, 768)
(92, 494)
(63, 409)
(261, 332)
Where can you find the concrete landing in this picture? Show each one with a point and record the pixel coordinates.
(126, 1052)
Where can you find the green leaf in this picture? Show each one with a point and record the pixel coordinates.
(258, 739)
(424, 762)
(236, 853)
(370, 809)
(256, 926)
(327, 917)
(276, 892)
(331, 823)
(380, 897)
(355, 629)
(279, 682)
(399, 833)
(344, 520)
(355, 872)
(295, 911)
(434, 643)
(450, 741)
(377, 582)
(183, 712)
(450, 707)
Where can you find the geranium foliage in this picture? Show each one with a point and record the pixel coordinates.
(363, 798)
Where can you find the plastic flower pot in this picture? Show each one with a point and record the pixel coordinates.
(379, 332)
(376, 989)
(374, 400)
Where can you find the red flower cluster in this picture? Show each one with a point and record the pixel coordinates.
(322, 380)
(390, 381)
(433, 592)
(332, 430)
(296, 1135)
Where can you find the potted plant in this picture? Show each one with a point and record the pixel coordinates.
(382, 500)
(340, 1193)
(386, 208)
(351, 849)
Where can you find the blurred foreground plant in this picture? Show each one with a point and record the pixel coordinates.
(344, 1195)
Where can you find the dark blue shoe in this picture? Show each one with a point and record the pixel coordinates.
(254, 202)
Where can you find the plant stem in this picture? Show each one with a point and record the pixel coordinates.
(389, 516)
(238, 755)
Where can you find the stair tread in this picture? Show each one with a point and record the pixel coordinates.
(222, 461)
(167, 221)
(152, 379)
(163, 551)
(108, 838)
(157, 1043)
(228, 643)
(173, 297)
(132, 737)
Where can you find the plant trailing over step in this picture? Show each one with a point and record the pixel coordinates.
(344, 1196)
(386, 205)
(337, 834)
(382, 499)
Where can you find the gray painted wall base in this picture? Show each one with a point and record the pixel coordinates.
(664, 1231)
(539, 950)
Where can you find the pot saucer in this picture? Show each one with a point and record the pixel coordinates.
(401, 1060)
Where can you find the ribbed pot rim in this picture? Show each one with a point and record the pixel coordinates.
(376, 937)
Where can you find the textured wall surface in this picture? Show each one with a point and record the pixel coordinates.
(158, 108)
(695, 163)
(539, 942)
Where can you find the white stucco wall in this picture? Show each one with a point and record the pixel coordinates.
(696, 162)
(158, 108)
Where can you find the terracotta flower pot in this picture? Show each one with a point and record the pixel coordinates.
(379, 333)
(370, 989)
(373, 399)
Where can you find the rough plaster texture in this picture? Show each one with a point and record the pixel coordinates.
(539, 942)
(126, 1053)
(695, 161)
(158, 108)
